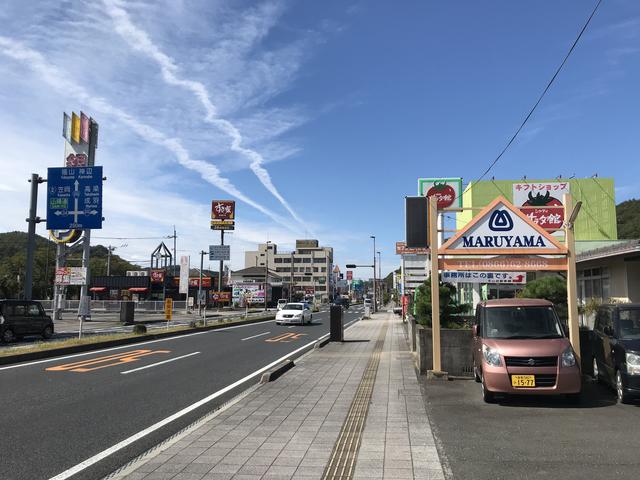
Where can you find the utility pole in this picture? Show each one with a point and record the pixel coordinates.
(175, 259)
(266, 274)
(202, 253)
(110, 249)
(291, 283)
(375, 283)
(31, 239)
(381, 295)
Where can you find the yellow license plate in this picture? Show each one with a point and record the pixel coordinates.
(523, 380)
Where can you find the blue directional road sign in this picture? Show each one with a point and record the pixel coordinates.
(74, 198)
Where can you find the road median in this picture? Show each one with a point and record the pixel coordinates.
(43, 350)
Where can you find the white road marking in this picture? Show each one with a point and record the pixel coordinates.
(177, 337)
(143, 433)
(255, 336)
(159, 363)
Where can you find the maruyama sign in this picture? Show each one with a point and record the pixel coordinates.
(502, 229)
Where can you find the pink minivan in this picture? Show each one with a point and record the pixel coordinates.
(519, 347)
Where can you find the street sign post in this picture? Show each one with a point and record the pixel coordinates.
(74, 198)
(219, 252)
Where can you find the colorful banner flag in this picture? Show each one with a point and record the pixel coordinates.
(75, 127)
(84, 127)
(66, 127)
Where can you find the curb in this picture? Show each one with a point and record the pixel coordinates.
(322, 343)
(54, 352)
(277, 371)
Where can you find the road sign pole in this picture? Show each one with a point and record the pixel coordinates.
(202, 252)
(31, 239)
(84, 308)
(221, 263)
(572, 289)
(435, 283)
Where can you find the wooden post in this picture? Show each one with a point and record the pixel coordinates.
(572, 288)
(435, 284)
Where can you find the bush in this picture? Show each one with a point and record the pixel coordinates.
(193, 324)
(450, 309)
(552, 288)
(139, 329)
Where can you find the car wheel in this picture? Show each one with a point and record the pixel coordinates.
(596, 371)
(8, 336)
(487, 396)
(47, 333)
(623, 397)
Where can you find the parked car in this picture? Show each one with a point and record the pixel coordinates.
(294, 313)
(281, 303)
(519, 347)
(23, 317)
(616, 349)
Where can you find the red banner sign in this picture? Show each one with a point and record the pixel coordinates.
(195, 282)
(349, 275)
(157, 276)
(223, 210)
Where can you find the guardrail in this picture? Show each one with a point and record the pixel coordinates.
(148, 306)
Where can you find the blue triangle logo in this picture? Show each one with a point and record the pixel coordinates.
(500, 221)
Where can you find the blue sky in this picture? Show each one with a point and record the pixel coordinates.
(317, 117)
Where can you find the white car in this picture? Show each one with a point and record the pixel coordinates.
(294, 313)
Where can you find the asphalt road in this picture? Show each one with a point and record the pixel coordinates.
(60, 412)
(534, 437)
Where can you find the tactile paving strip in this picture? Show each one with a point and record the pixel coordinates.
(345, 452)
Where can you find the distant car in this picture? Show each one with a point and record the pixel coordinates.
(343, 302)
(281, 303)
(19, 318)
(368, 302)
(616, 349)
(294, 313)
(519, 347)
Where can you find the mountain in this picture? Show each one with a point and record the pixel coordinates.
(628, 218)
(13, 255)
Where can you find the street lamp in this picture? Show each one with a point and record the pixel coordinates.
(380, 277)
(375, 283)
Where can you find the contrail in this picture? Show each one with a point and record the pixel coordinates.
(60, 80)
(139, 40)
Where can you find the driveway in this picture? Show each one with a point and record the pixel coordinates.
(533, 437)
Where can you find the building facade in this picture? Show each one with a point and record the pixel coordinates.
(308, 268)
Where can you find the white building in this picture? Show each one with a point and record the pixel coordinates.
(308, 267)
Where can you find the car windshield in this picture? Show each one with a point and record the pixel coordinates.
(630, 324)
(521, 323)
(293, 306)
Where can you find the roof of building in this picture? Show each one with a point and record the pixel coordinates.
(254, 271)
(590, 250)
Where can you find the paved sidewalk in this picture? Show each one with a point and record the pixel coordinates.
(287, 429)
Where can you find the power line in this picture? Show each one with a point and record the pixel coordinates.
(542, 95)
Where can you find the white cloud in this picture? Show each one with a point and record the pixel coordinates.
(139, 41)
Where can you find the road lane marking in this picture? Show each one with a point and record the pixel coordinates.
(143, 433)
(255, 336)
(159, 363)
(97, 363)
(286, 337)
(92, 352)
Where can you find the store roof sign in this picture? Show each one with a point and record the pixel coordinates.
(502, 229)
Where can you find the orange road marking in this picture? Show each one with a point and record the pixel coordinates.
(286, 337)
(106, 361)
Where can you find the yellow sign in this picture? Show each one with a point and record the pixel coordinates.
(168, 309)
(75, 128)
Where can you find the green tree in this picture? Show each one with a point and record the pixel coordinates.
(552, 288)
(628, 219)
(449, 306)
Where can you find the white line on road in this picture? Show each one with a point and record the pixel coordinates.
(159, 363)
(255, 336)
(143, 433)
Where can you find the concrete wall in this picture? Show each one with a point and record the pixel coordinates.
(456, 351)
(633, 281)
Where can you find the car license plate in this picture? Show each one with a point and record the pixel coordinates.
(523, 381)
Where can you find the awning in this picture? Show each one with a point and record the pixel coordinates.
(98, 289)
(139, 289)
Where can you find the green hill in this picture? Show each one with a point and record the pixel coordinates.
(628, 214)
(13, 255)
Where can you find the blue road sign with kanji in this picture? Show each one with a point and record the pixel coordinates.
(74, 198)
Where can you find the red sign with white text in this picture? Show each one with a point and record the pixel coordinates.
(223, 210)
(157, 276)
(349, 275)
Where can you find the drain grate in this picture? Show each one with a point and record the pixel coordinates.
(345, 452)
